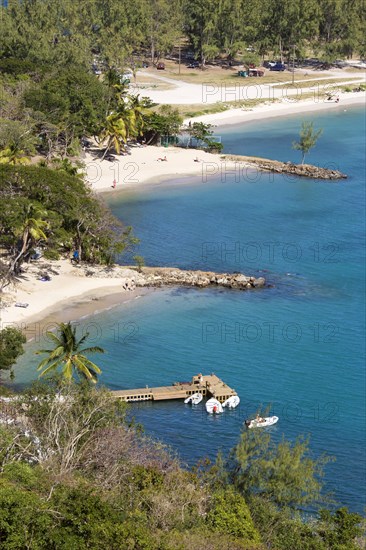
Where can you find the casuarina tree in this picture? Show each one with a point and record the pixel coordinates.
(308, 139)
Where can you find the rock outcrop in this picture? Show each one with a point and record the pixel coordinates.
(304, 170)
(164, 276)
(131, 277)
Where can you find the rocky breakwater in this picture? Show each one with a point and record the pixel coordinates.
(304, 170)
(131, 277)
(165, 276)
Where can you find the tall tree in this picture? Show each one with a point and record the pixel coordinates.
(164, 26)
(69, 355)
(201, 24)
(11, 346)
(284, 473)
(31, 232)
(308, 139)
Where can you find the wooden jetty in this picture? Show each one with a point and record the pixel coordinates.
(208, 385)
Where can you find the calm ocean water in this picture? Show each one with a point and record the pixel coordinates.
(298, 346)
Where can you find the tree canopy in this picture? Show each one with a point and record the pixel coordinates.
(75, 473)
(69, 354)
(56, 211)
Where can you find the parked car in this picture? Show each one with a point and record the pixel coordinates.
(160, 66)
(193, 65)
(277, 67)
(145, 64)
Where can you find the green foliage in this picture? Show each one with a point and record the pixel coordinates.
(140, 262)
(72, 97)
(69, 354)
(17, 133)
(69, 216)
(166, 122)
(84, 478)
(230, 514)
(12, 154)
(285, 474)
(202, 133)
(308, 139)
(11, 346)
(285, 529)
(340, 529)
(17, 67)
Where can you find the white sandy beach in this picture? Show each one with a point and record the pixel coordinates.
(143, 166)
(69, 286)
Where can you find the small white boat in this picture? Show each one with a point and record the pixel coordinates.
(194, 399)
(231, 402)
(213, 406)
(261, 422)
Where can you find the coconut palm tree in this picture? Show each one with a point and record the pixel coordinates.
(141, 110)
(30, 232)
(120, 125)
(69, 355)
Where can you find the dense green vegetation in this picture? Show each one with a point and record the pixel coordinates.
(50, 97)
(55, 32)
(75, 473)
(11, 347)
(56, 212)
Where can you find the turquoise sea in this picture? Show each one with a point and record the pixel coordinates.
(297, 346)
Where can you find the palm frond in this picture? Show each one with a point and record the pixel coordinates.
(53, 366)
(90, 364)
(93, 349)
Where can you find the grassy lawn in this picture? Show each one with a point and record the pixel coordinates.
(219, 76)
(314, 83)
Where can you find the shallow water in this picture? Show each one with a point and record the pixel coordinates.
(298, 346)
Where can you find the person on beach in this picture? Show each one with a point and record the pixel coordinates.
(75, 257)
(162, 159)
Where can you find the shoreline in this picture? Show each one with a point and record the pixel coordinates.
(142, 167)
(281, 109)
(68, 292)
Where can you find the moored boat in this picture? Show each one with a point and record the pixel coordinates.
(231, 402)
(194, 399)
(213, 406)
(260, 422)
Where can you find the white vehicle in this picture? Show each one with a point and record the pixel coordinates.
(260, 422)
(127, 75)
(213, 406)
(194, 399)
(231, 402)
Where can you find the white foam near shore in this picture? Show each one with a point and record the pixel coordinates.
(141, 167)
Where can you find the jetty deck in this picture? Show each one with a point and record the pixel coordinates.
(208, 385)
